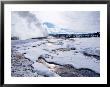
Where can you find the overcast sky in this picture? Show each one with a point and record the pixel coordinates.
(26, 24)
(78, 21)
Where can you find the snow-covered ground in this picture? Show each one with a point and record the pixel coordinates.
(77, 52)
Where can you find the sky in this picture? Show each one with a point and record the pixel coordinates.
(76, 21)
(28, 24)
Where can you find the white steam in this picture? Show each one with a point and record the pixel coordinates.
(25, 26)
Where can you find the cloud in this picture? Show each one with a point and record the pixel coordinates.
(77, 21)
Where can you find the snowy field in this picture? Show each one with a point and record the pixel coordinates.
(46, 55)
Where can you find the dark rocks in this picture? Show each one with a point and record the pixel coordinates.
(92, 55)
(73, 72)
(73, 48)
(46, 56)
(66, 49)
(92, 52)
(88, 73)
(21, 67)
(33, 46)
(14, 38)
(76, 51)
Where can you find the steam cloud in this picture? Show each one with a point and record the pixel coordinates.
(25, 25)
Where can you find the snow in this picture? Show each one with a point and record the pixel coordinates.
(87, 42)
(78, 61)
(43, 70)
(93, 51)
(62, 54)
(26, 25)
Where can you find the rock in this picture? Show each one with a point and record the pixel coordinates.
(21, 66)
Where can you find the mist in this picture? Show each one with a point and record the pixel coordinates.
(25, 25)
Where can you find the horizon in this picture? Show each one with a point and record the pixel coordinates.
(29, 24)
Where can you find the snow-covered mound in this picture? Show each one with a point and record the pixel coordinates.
(43, 70)
(70, 52)
(95, 52)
